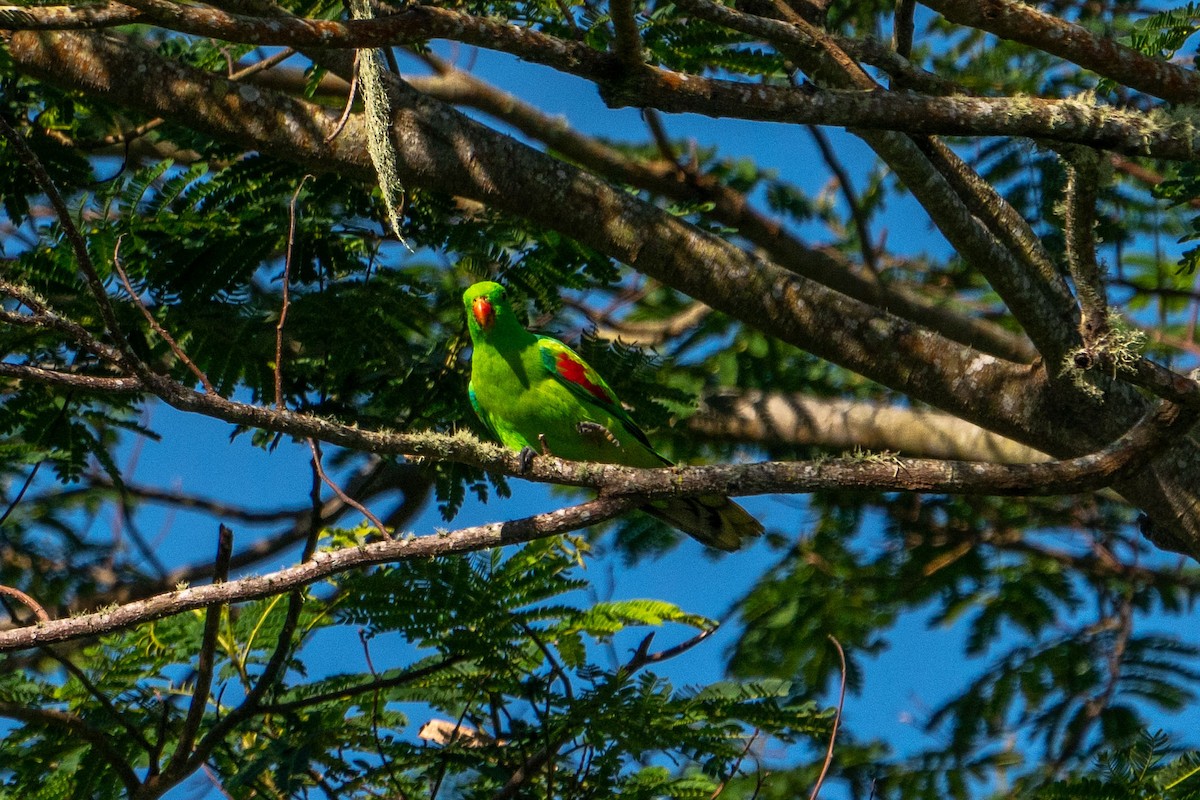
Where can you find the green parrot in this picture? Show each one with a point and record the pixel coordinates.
(534, 393)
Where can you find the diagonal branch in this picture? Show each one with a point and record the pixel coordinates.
(1026, 24)
(323, 564)
(83, 259)
(206, 661)
(729, 207)
(77, 726)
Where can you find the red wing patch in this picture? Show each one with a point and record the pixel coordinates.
(576, 373)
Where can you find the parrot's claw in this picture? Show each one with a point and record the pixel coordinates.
(597, 430)
(525, 459)
(545, 447)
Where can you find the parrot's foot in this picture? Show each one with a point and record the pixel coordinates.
(595, 429)
(545, 447)
(525, 459)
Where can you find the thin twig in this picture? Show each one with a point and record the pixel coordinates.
(26, 600)
(736, 766)
(642, 656)
(350, 95)
(837, 718)
(661, 140)
(264, 64)
(78, 244)
(283, 310)
(870, 257)
(387, 762)
(345, 498)
(21, 494)
(206, 660)
(347, 692)
(154, 324)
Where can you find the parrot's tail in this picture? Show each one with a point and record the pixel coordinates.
(712, 519)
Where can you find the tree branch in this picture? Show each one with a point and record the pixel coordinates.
(1026, 24)
(730, 207)
(407, 25)
(79, 727)
(46, 18)
(1079, 229)
(323, 565)
(206, 661)
(775, 418)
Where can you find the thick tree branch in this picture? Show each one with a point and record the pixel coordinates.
(1069, 121)
(1023, 23)
(730, 207)
(47, 18)
(968, 212)
(410, 24)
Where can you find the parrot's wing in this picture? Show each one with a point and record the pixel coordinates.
(479, 410)
(585, 383)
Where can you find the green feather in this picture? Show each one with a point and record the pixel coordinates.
(531, 390)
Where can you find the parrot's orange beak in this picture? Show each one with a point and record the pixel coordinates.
(484, 311)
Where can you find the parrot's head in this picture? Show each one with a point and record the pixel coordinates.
(485, 302)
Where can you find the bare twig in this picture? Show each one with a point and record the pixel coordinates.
(376, 685)
(345, 498)
(642, 656)
(870, 257)
(206, 660)
(154, 323)
(387, 762)
(20, 494)
(286, 301)
(661, 140)
(262, 65)
(737, 765)
(26, 600)
(350, 95)
(837, 718)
